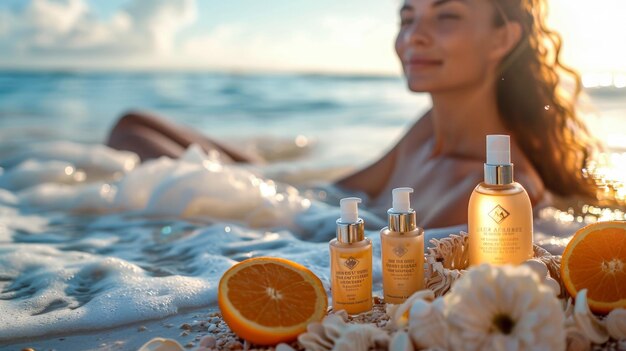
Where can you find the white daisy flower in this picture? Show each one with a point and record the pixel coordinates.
(503, 308)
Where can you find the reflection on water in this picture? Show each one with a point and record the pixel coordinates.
(608, 171)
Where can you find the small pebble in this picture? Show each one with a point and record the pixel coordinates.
(169, 325)
(284, 347)
(212, 327)
(234, 345)
(208, 342)
(185, 333)
(142, 328)
(185, 326)
(28, 349)
(189, 345)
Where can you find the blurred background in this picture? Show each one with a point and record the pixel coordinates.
(292, 80)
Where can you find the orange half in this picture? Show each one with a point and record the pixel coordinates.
(268, 300)
(595, 259)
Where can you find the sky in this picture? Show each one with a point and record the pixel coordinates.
(251, 35)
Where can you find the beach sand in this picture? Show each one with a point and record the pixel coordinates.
(187, 328)
(193, 327)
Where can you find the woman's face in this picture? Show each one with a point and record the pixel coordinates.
(445, 44)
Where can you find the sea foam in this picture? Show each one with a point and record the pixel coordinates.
(127, 242)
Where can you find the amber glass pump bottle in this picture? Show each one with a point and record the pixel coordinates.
(351, 261)
(402, 250)
(500, 217)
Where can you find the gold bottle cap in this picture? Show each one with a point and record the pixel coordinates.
(348, 233)
(350, 228)
(498, 174)
(402, 222)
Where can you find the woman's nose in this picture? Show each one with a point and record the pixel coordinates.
(417, 33)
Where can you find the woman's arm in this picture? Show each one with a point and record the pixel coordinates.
(151, 136)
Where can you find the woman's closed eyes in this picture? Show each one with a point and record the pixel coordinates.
(448, 16)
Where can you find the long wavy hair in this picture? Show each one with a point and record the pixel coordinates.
(538, 111)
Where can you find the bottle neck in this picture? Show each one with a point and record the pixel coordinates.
(402, 222)
(498, 174)
(349, 233)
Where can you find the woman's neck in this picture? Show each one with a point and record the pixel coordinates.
(461, 118)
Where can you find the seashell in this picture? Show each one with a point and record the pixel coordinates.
(161, 344)
(588, 324)
(568, 308)
(576, 340)
(451, 251)
(319, 336)
(553, 284)
(400, 341)
(284, 347)
(553, 263)
(341, 313)
(445, 262)
(447, 259)
(333, 333)
(399, 314)
(616, 323)
(538, 267)
(541, 268)
(427, 325)
(441, 279)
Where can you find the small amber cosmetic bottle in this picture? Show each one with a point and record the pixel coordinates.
(351, 261)
(402, 248)
(500, 216)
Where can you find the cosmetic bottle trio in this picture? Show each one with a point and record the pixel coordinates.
(500, 232)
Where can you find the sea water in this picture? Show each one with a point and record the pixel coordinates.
(91, 239)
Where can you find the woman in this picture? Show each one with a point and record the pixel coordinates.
(490, 67)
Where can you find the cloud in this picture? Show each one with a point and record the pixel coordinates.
(333, 43)
(146, 34)
(159, 21)
(69, 29)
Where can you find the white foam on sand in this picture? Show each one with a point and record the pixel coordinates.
(90, 239)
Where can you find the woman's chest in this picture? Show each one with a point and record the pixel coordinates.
(433, 179)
